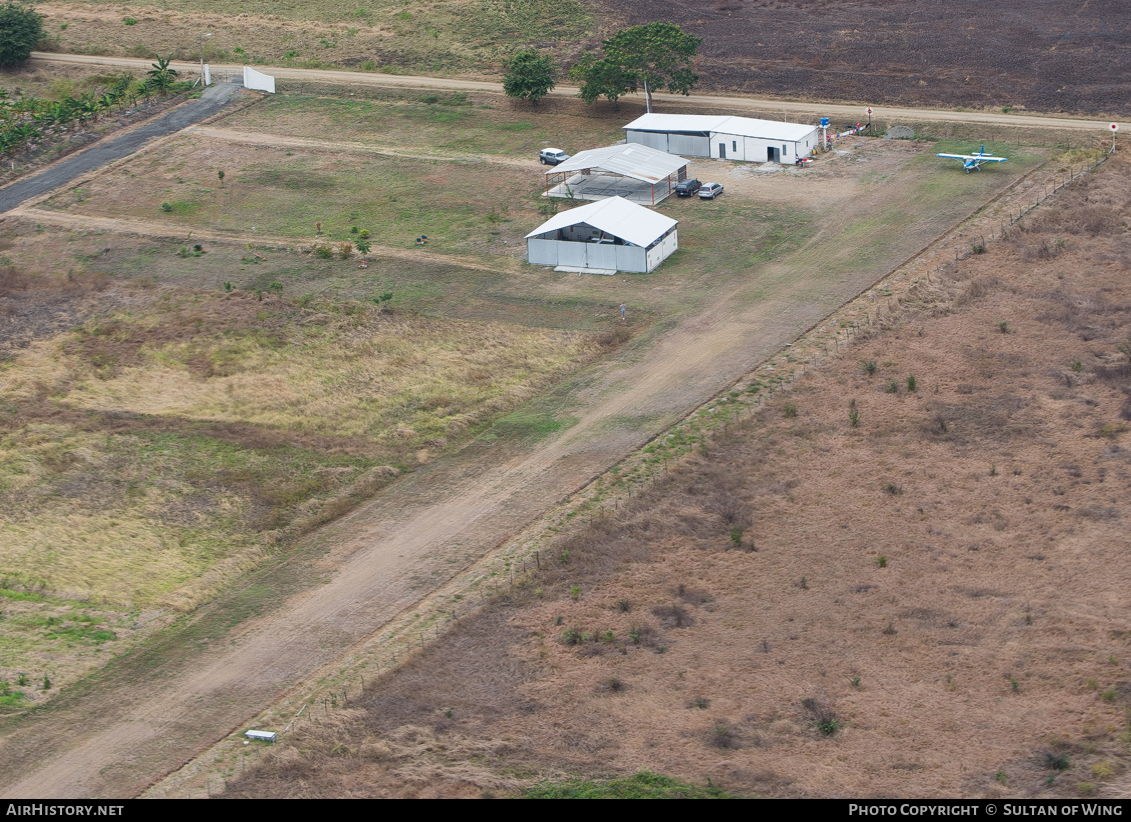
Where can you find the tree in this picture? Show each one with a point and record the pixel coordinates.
(601, 78)
(161, 76)
(656, 55)
(21, 27)
(529, 76)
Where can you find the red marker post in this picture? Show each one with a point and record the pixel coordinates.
(1114, 128)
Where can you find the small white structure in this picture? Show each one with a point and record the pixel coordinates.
(262, 736)
(258, 80)
(634, 172)
(607, 236)
(723, 137)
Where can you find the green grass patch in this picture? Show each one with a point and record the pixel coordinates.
(528, 425)
(642, 785)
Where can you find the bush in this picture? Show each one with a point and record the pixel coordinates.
(529, 76)
(824, 718)
(1057, 761)
(21, 28)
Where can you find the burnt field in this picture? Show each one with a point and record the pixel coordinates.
(1036, 54)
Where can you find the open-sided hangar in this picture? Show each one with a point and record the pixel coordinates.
(723, 137)
(634, 172)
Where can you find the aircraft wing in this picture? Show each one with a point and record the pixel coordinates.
(984, 158)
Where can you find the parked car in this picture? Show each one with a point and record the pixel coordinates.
(552, 156)
(687, 187)
(710, 191)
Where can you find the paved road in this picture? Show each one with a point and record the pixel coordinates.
(106, 151)
(840, 113)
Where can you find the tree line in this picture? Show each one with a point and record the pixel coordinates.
(649, 58)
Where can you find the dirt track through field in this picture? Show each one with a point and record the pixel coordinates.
(387, 555)
(260, 139)
(142, 228)
(852, 113)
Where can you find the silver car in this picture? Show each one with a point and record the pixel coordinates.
(710, 191)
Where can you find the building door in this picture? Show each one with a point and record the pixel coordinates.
(772, 155)
(722, 151)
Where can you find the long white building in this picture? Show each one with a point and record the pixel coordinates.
(724, 137)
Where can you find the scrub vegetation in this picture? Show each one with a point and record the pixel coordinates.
(974, 597)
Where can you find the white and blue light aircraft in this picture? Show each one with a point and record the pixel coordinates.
(971, 162)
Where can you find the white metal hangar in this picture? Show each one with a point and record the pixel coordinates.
(724, 138)
(634, 172)
(610, 235)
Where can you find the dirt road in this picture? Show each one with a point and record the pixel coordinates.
(840, 112)
(114, 740)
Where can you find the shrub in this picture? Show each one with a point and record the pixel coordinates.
(893, 386)
(166, 207)
(22, 28)
(324, 252)
(1002, 326)
(722, 736)
(575, 592)
(736, 533)
(790, 410)
(1103, 770)
(854, 416)
(614, 684)
(624, 606)
(130, 21)
(882, 561)
(571, 637)
(912, 383)
(892, 489)
(1057, 761)
(824, 718)
(869, 367)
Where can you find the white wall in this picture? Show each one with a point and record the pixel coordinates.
(257, 80)
(596, 255)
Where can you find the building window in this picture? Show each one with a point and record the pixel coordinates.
(734, 145)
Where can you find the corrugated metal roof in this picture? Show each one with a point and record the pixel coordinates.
(631, 160)
(739, 126)
(617, 216)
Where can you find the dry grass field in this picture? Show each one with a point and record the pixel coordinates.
(190, 390)
(1044, 56)
(903, 577)
(164, 434)
(157, 451)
